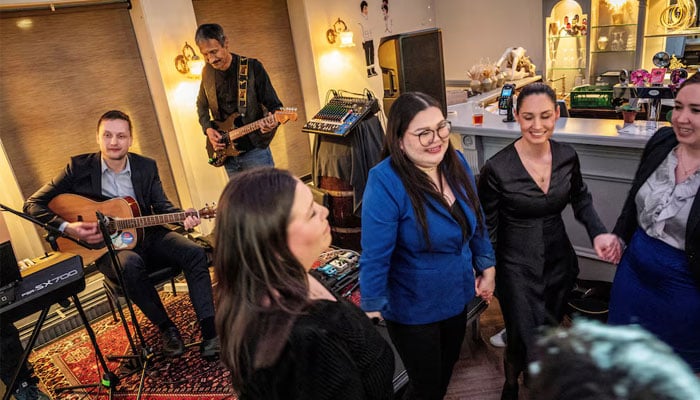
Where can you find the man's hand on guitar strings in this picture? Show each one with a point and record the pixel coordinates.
(192, 220)
(87, 231)
(268, 123)
(215, 139)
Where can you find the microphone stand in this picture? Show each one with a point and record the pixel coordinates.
(146, 353)
(109, 379)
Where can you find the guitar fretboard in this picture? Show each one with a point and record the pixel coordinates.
(246, 129)
(151, 220)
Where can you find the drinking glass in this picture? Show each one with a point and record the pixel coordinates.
(477, 113)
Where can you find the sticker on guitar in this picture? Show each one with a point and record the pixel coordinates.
(229, 133)
(122, 240)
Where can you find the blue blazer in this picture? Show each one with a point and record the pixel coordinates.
(399, 276)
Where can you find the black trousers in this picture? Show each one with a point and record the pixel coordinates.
(10, 355)
(368, 47)
(429, 352)
(159, 247)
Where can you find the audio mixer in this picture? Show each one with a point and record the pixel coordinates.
(340, 115)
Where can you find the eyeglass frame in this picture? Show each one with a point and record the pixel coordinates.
(435, 132)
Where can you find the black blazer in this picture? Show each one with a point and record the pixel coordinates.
(656, 150)
(83, 176)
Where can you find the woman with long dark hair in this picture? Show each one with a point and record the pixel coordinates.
(524, 189)
(283, 334)
(423, 237)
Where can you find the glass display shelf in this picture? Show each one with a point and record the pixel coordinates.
(687, 32)
(566, 45)
(612, 51)
(612, 26)
(567, 37)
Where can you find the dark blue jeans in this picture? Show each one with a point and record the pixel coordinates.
(159, 247)
(250, 159)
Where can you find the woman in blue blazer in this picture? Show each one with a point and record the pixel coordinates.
(423, 237)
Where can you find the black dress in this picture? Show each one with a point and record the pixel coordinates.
(333, 352)
(536, 266)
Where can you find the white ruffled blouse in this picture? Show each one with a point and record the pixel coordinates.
(663, 206)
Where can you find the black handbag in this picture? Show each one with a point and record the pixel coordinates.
(589, 299)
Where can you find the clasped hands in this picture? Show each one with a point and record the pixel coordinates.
(485, 284)
(608, 246)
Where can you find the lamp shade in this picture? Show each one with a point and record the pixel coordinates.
(346, 39)
(196, 66)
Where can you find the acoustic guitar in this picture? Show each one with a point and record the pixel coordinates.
(229, 133)
(123, 220)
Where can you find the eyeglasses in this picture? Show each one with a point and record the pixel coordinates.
(426, 136)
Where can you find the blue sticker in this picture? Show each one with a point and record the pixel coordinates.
(127, 238)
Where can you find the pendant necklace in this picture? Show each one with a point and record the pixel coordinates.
(539, 177)
(681, 163)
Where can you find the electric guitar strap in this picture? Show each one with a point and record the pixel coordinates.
(242, 85)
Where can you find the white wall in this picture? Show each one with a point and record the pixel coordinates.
(344, 68)
(476, 30)
(25, 239)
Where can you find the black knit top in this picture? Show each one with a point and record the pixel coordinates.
(333, 352)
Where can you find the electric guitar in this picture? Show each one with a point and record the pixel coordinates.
(229, 133)
(123, 220)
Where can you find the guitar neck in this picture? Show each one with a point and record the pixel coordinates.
(152, 220)
(245, 129)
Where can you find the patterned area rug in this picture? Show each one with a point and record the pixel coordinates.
(71, 360)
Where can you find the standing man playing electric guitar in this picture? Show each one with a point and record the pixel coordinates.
(115, 172)
(235, 87)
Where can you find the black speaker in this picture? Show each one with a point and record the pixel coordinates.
(413, 62)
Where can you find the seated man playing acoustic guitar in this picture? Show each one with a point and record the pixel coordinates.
(112, 173)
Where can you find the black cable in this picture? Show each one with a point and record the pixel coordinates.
(341, 91)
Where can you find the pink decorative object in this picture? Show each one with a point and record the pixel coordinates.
(640, 77)
(657, 76)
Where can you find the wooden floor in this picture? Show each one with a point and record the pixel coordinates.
(478, 375)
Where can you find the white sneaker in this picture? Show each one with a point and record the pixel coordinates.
(499, 339)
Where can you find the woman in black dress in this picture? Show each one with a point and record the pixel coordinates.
(524, 188)
(283, 334)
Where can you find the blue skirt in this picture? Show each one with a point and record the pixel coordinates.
(653, 288)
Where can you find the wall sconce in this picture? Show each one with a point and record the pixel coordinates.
(189, 63)
(339, 31)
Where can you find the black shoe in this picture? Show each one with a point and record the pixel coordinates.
(210, 348)
(510, 392)
(172, 343)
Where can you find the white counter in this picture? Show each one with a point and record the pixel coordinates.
(602, 132)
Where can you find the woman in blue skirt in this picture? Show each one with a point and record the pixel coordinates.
(657, 284)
